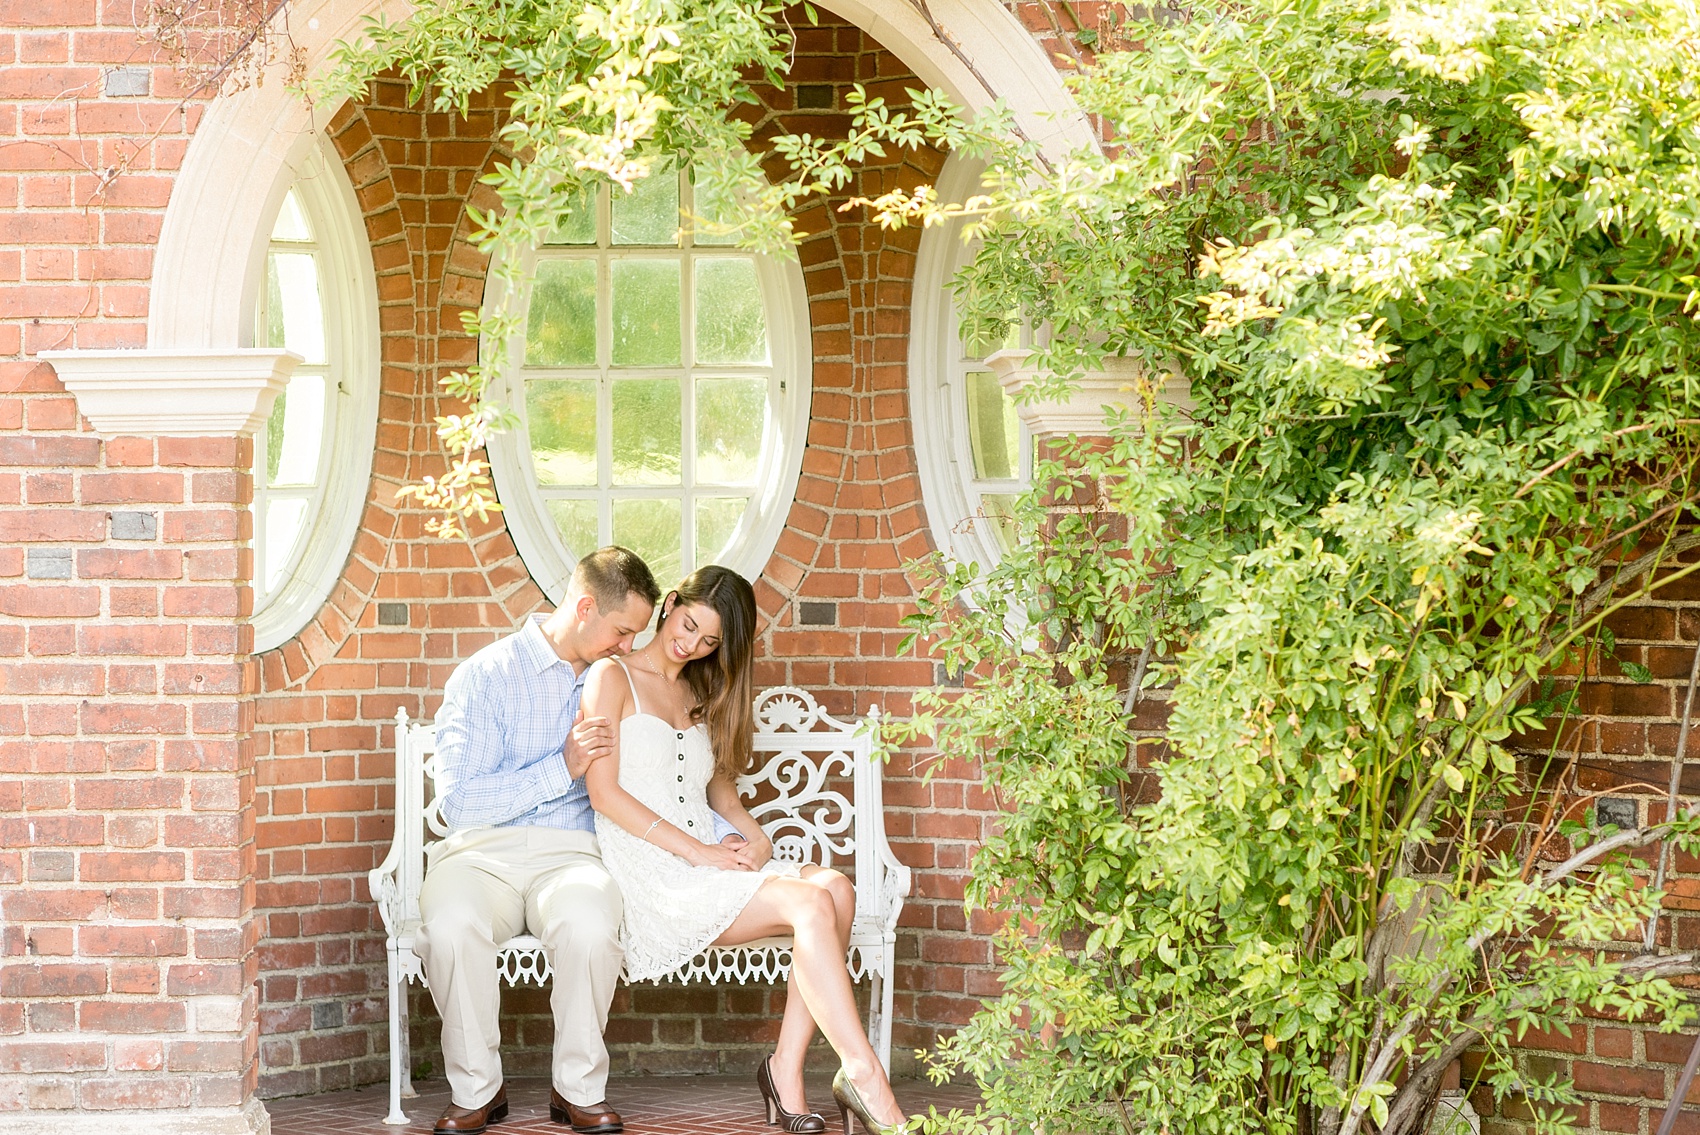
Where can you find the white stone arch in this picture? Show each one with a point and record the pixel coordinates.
(203, 264)
(232, 178)
(1001, 52)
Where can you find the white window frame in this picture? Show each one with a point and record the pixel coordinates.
(938, 389)
(349, 296)
(786, 307)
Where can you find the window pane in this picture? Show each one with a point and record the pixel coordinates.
(717, 523)
(291, 220)
(560, 328)
(284, 519)
(651, 529)
(649, 214)
(730, 325)
(646, 313)
(578, 226)
(647, 431)
(295, 318)
(994, 432)
(575, 520)
(274, 437)
(1000, 516)
(561, 420)
(731, 423)
(295, 460)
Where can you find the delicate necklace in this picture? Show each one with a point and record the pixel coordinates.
(643, 657)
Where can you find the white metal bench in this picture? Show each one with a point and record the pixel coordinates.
(797, 797)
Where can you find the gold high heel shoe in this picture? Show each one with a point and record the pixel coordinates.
(850, 1100)
(798, 1123)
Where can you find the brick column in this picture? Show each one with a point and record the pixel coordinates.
(128, 958)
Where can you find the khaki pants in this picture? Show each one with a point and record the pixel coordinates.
(485, 885)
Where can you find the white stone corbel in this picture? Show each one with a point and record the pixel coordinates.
(175, 393)
(1118, 382)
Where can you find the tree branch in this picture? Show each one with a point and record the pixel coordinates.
(1654, 965)
(1635, 837)
(1410, 1106)
(1575, 453)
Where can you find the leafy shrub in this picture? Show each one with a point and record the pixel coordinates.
(1429, 271)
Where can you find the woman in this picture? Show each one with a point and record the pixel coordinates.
(684, 704)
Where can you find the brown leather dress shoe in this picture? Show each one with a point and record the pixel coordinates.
(597, 1119)
(471, 1120)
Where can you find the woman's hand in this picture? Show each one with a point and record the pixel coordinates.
(752, 844)
(752, 855)
(754, 852)
(720, 855)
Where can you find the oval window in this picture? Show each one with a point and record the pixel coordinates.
(974, 454)
(313, 458)
(662, 384)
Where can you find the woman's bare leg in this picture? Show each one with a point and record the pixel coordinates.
(808, 912)
(797, 1027)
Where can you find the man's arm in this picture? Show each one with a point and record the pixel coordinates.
(722, 829)
(481, 782)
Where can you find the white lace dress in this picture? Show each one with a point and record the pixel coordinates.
(672, 909)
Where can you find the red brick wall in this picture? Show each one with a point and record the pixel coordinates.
(84, 179)
(1618, 749)
(327, 700)
(127, 942)
(127, 959)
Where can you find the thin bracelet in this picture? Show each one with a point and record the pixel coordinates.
(650, 828)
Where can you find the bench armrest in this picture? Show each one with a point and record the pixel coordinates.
(898, 882)
(386, 891)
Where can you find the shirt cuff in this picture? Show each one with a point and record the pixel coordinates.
(552, 780)
(722, 829)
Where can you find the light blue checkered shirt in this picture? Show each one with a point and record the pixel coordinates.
(506, 714)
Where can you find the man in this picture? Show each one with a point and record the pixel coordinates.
(522, 852)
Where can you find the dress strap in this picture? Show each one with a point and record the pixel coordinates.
(636, 704)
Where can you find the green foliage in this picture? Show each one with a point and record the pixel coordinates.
(1430, 274)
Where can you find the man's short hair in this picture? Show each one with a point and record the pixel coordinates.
(608, 575)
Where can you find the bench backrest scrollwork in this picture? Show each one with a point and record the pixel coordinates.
(816, 792)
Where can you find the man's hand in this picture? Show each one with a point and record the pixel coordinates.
(592, 739)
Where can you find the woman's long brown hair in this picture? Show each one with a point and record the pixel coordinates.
(722, 683)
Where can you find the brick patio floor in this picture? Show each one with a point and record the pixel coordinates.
(650, 1105)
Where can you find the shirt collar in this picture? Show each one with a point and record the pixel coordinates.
(534, 648)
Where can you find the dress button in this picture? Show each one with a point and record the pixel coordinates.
(690, 823)
(681, 799)
(681, 736)
(681, 778)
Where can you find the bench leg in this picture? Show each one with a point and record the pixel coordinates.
(398, 1038)
(407, 1092)
(879, 1010)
